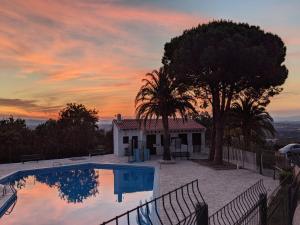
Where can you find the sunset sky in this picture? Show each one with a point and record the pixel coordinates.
(96, 52)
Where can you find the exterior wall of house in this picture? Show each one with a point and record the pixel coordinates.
(119, 146)
(116, 138)
(189, 146)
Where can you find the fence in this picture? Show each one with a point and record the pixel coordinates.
(244, 209)
(240, 158)
(293, 194)
(8, 198)
(262, 161)
(180, 206)
(186, 206)
(283, 201)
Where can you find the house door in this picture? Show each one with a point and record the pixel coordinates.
(134, 142)
(151, 141)
(196, 142)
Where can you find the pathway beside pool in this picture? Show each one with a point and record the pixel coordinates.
(217, 186)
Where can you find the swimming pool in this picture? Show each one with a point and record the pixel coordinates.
(82, 194)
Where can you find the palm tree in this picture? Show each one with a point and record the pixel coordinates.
(250, 117)
(159, 97)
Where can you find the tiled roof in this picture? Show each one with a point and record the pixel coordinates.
(154, 125)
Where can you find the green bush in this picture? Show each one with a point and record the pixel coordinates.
(286, 175)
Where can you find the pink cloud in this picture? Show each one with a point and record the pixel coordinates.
(82, 51)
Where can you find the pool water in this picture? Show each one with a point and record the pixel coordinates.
(86, 194)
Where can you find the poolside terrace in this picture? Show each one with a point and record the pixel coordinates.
(217, 186)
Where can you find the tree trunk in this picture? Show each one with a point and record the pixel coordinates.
(167, 153)
(218, 158)
(213, 143)
(246, 137)
(219, 108)
(219, 128)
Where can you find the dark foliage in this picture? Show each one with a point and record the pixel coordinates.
(206, 120)
(78, 129)
(73, 185)
(105, 140)
(15, 139)
(160, 97)
(73, 134)
(250, 121)
(222, 59)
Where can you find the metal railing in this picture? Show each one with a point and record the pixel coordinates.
(185, 205)
(177, 207)
(278, 212)
(9, 203)
(6, 189)
(293, 194)
(283, 200)
(244, 209)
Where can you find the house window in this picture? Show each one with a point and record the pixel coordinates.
(183, 138)
(125, 139)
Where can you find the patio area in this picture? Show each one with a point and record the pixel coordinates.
(217, 186)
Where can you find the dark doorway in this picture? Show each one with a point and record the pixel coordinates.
(134, 142)
(196, 142)
(183, 138)
(151, 141)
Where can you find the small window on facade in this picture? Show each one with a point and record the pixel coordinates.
(125, 139)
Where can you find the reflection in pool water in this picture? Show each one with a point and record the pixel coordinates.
(73, 185)
(78, 195)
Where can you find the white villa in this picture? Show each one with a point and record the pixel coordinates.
(129, 134)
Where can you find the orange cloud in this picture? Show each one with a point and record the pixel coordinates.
(87, 51)
(92, 52)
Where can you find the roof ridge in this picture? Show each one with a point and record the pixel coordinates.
(156, 124)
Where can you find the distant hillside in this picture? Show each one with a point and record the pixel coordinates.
(288, 131)
(287, 119)
(105, 125)
(33, 123)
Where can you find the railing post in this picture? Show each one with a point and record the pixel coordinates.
(201, 214)
(290, 205)
(263, 209)
(261, 163)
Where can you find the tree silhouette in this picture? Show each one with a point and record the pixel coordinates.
(206, 120)
(222, 59)
(73, 185)
(14, 137)
(159, 97)
(73, 134)
(78, 128)
(252, 120)
(48, 138)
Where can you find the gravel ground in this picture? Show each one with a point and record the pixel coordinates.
(217, 186)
